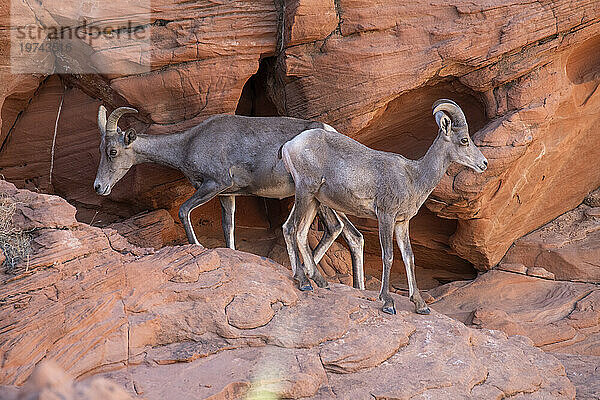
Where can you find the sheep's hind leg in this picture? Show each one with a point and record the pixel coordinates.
(335, 224)
(228, 219)
(333, 228)
(289, 234)
(305, 211)
(356, 243)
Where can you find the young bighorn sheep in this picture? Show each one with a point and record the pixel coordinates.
(225, 155)
(333, 170)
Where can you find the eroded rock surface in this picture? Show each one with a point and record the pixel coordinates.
(154, 229)
(568, 246)
(557, 316)
(584, 372)
(562, 318)
(49, 381)
(189, 322)
(157, 229)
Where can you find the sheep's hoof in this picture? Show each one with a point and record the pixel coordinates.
(423, 311)
(389, 310)
(321, 282)
(323, 285)
(307, 287)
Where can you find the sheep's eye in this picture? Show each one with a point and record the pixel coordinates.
(464, 141)
(112, 152)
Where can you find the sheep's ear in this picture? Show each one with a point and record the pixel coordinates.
(129, 136)
(445, 124)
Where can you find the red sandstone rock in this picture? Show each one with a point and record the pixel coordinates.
(309, 20)
(526, 75)
(540, 272)
(202, 60)
(34, 211)
(15, 93)
(235, 325)
(584, 373)
(48, 381)
(558, 316)
(515, 267)
(562, 318)
(568, 247)
(150, 229)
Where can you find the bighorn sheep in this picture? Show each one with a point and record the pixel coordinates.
(225, 155)
(334, 170)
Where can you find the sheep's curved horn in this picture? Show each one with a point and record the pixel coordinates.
(454, 111)
(111, 123)
(102, 120)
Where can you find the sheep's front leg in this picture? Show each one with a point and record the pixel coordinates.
(289, 234)
(409, 264)
(228, 219)
(204, 193)
(386, 239)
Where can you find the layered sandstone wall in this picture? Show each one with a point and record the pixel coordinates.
(525, 73)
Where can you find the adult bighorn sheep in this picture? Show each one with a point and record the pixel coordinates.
(225, 155)
(334, 170)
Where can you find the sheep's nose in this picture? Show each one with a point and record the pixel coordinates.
(485, 163)
(97, 187)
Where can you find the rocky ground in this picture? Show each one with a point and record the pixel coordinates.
(568, 247)
(190, 322)
(560, 317)
(546, 288)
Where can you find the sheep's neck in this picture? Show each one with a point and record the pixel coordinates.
(159, 149)
(430, 169)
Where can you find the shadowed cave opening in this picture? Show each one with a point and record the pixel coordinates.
(254, 100)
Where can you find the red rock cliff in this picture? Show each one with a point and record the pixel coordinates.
(525, 73)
